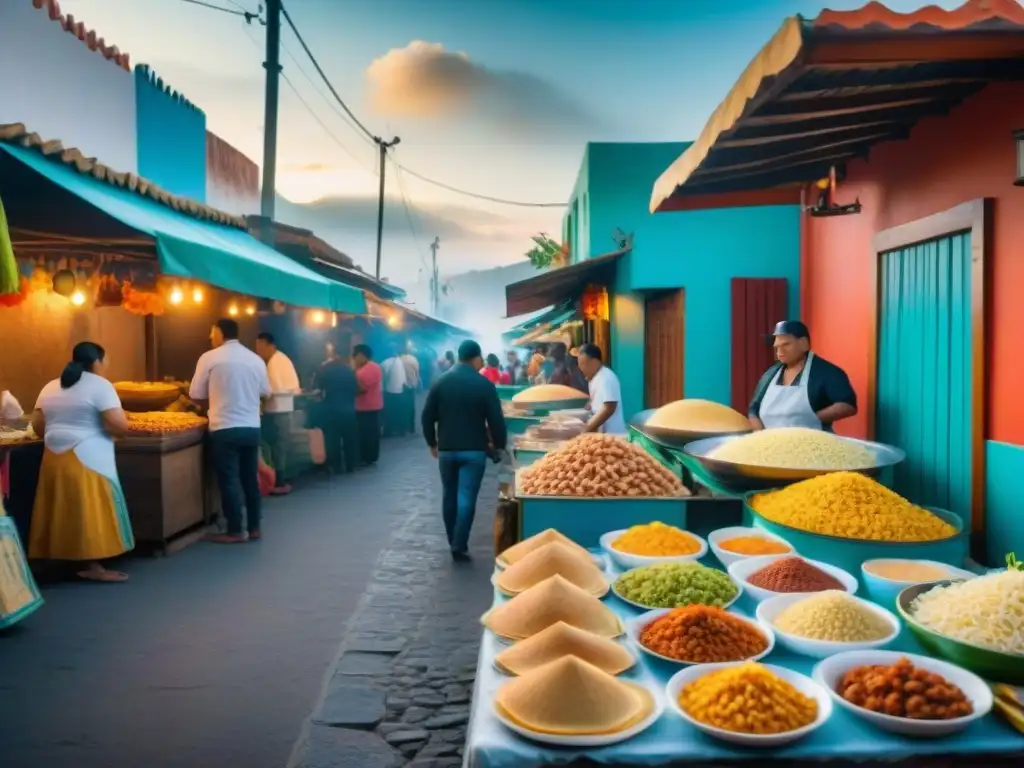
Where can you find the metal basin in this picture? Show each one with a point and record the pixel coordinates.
(672, 438)
(748, 477)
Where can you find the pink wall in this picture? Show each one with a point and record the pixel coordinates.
(63, 82)
(946, 161)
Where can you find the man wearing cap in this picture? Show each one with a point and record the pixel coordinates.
(802, 389)
(463, 426)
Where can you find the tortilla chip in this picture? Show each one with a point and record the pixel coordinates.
(554, 599)
(517, 552)
(548, 560)
(561, 639)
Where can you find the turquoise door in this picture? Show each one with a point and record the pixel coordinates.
(924, 369)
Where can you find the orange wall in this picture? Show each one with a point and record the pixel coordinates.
(946, 161)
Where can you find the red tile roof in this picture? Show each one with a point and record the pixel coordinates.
(971, 13)
(88, 36)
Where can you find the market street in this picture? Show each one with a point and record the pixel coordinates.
(217, 656)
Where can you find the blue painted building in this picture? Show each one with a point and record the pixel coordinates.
(674, 314)
(171, 133)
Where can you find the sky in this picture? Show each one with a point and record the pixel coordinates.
(497, 97)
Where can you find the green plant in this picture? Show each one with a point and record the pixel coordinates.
(545, 251)
(10, 281)
(1013, 563)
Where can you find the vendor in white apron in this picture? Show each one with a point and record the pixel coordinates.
(801, 389)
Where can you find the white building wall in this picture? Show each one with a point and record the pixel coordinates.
(61, 88)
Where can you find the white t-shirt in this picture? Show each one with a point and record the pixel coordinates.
(283, 379)
(394, 375)
(604, 388)
(73, 420)
(10, 408)
(233, 379)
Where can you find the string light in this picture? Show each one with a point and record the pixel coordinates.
(176, 296)
(250, 310)
(78, 298)
(317, 317)
(233, 310)
(393, 321)
(197, 295)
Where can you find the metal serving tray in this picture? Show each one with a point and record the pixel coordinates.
(672, 438)
(551, 405)
(753, 478)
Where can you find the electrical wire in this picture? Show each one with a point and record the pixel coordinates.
(248, 16)
(478, 196)
(413, 229)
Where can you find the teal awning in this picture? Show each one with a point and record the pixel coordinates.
(549, 324)
(220, 255)
(554, 316)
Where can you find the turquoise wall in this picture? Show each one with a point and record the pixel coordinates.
(576, 221)
(1004, 467)
(700, 251)
(171, 137)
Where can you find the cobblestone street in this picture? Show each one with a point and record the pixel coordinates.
(346, 638)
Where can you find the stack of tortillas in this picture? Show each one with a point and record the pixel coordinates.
(518, 551)
(547, 393)
(698, 416)
(554, 599)
(561, 639)
(568, 561)
(571, 697)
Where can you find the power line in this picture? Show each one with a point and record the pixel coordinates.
(237, 11)
(368, 134)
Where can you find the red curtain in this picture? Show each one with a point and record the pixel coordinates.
(757, 305)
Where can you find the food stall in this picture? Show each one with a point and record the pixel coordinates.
(830, 626)
(19, 594)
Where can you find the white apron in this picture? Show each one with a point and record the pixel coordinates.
(790, 406)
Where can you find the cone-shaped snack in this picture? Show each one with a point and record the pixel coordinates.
(570, 697)
(548, 560)
(551, 601)
(561, 639)
(699, 416)
(547, 393)
(518, 551)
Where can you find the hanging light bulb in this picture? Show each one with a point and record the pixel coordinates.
(197, 295)
(233, 310)
(177, 296)
(317, 317)
(78, 298)
(250, 310)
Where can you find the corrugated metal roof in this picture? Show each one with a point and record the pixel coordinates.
(17, 133)
(824, 91)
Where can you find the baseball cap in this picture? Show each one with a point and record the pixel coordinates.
(793, 328)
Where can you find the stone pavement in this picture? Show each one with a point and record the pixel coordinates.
(399, 692)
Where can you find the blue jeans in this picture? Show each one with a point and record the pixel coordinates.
(462, 472)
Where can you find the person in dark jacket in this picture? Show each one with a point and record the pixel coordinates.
(464, 426)
(337, 382)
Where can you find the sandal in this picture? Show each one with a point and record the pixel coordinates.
(103, 576)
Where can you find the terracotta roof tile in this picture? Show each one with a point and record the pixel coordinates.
(16, 133)
(88, 36)
(970, 14)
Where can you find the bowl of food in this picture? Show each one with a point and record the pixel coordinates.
(699, 634)
(652, 543)
(673, 585)
(792, 705)
(826, 623)
(974, 624)
(146, 396)
(904, 693)
(884, 578)
(738, 542)
(771, 575)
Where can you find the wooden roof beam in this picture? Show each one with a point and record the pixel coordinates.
(839, 104)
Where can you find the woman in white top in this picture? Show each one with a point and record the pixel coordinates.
(80, 512)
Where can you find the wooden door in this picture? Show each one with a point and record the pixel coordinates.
(663, 348)
(924, 387)
(757, 305)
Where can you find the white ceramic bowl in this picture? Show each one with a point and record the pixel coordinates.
(741, 570)
(802, 683)
(768, 611)
(626, 560)
(589, 740)
(635, 626)
(645, 608)
(829, 673)
(727, 558)
(885, 591)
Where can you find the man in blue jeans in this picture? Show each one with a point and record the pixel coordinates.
(464, 427)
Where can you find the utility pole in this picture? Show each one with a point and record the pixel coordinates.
(383, 146)
(273, 67)
(435, 288)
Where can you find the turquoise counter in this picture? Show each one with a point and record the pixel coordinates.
(517, 425)
(508, 391)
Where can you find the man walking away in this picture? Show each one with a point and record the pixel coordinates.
(337, 381)
(463, 425)
(412, 386)
(277, 411)
(229, 381)
(369, 403)
(394, 394)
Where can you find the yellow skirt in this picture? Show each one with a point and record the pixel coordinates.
(78, 514)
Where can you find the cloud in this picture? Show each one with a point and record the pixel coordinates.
(425, 80)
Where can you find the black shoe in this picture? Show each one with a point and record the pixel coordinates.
(461, 557)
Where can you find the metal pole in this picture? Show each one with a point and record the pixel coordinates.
(435, 297)
(273, 67)
(384, 146)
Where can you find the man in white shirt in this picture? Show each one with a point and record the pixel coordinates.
(230, 381)
(412, 386)
(394, 392)
(278, 410)
(605, 393)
